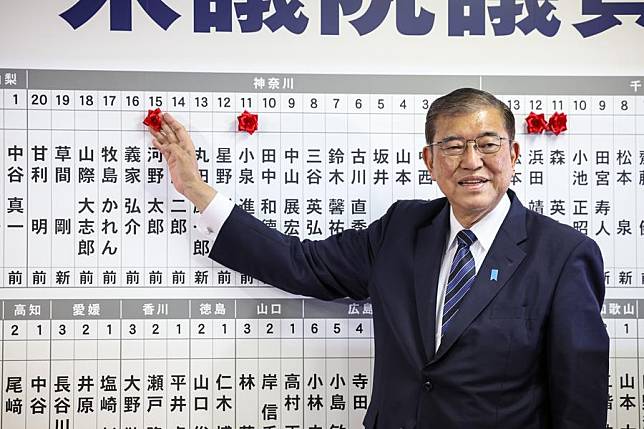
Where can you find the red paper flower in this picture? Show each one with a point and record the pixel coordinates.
(558, 123)
(247, 122)
(154, 119)
(536, 123)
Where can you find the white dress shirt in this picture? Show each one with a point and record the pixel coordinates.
(485, 231)
(215, 214)
(213, 217)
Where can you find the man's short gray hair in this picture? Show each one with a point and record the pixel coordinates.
(465, 101)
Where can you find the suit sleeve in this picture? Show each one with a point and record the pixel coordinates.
(577, 340)
(337, 267)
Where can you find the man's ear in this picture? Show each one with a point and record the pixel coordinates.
(428, 157)
(515, 150)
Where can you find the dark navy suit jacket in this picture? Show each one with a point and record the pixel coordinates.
(527, 349)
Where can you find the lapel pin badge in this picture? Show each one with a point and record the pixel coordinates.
(494, 274)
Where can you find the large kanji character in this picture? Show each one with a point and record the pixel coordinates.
(221, 19)
(458, 22)
(407, 22)
(372, 18)
(504, 16)
(330, 14)
(285, 16)
(538, 18)
(254, 11)
(120, 13)
(607, 18)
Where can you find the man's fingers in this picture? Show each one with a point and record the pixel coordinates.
(158, 136)
(169, 151)
(178, 129)
(168, 133)
(156, 144)
(161, 147)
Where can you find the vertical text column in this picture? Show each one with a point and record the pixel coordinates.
(225, 168)
(86, 189)
(132, 190)
(110, 173)
(224, 362)
(62, 369)
(38, 380)
(314, 364)
(132, 366)
(247, 363)
(271, 141)
(39, 193)
(381, 154)
(156, 383)
(178, 364)
(292, 364)
(360, 379)
(12, 117)
(625, 186)
(156, 203)
(108, 380)
(358, 203)
(63, 166)
(284, 153)
(518, 106)
(201, 358)
(639, 130)
(599, 155)
(404, 148)
(86, 381)
(337, 364)
(425, 187)
(248, 152)
(178, 207)
(315, 165)
(626, 379)
(269, 380)
(535, 178)
(554, 156)
(15, 187)
(336, 156)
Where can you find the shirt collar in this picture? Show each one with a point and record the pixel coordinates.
(485, 229)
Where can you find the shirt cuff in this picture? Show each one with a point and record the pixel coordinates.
(212, 219)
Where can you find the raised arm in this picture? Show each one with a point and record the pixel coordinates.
(337, 267)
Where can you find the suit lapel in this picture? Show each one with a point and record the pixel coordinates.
(428, 252)
(501, 261)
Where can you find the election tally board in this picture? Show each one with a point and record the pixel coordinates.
(114, 317)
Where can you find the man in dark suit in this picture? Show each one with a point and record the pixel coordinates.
(486, 315)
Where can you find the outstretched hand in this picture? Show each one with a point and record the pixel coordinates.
(175, 144)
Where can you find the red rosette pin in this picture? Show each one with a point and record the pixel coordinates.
(247, 122)
(558, 123)
(154, 119)
(536, 123)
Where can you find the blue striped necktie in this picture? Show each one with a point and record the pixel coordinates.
(461, 277)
